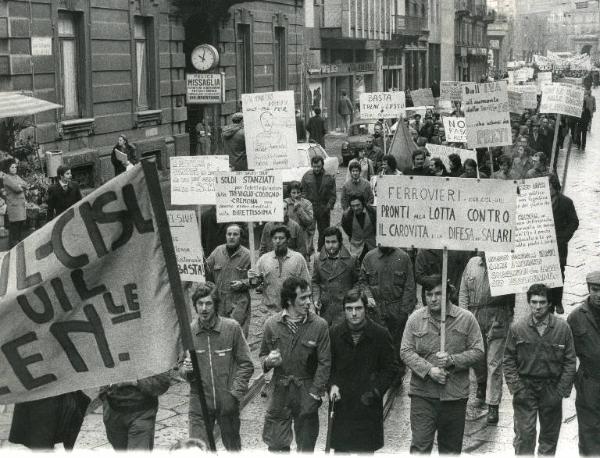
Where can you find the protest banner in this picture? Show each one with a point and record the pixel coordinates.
(443, 152)
(562, 99)
(456, 213)
(486, 114)
(188, 248)
(192, 178)
(378, 105)
(451, 90)
(77, 310)
(515, 102)
(535, 258)
(528, 95)
(455, 129)
(543, 78)
(422, 97)
(270, 130)
(249, 196)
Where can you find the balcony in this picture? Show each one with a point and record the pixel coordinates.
(490, 17)
(411, 26)
(475, 8)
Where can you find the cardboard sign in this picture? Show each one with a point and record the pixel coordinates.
(455, 129)
(515, 102)
(204, 88)
(249, 196)
(535, 259)
(451, 90)
(543, 78)
(486, 113)
(386, 105)
(270, 130)
(456, 213)
(85, 301)
(193, 180)
(562, 98)
(443, 152)
(422, 97)
(528, 93)
(188, 249)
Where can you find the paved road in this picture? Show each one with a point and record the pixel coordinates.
(583, 186)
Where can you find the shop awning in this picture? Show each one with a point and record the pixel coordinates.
(13, 104)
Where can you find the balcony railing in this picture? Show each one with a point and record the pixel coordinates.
(476, 8)
(411, 25)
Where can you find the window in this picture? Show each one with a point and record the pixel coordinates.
(280, 60)
(70, 69)
(142, 62)
(244, 52)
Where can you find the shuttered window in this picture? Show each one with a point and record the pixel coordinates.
(141, 59)
(69, 52)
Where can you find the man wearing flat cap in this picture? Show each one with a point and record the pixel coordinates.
(585, 324)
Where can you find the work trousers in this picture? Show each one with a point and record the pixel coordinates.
(428, 415)
(494, 323)
(587, 404)
(291, 403)
(228, 424)
(323, 221)
(126, 430)
(556, 294)
(546, 403)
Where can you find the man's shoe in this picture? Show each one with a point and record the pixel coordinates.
(492, 416)
(559, 309)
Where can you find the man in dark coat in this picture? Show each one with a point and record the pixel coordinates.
(359, 222)
(319, 188)
(363, 368)
(316, 128)
(565, 225)
(300, 127)
(234, 143)
(63, 194)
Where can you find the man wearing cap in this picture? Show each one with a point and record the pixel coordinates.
(585, 324)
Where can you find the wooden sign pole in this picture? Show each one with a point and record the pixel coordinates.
(444, 296)
(251, 244)
(563, 183)
(553, 153)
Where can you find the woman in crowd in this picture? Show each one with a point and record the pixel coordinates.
(504, 172)
(123, 155)
(471, 169)
(456, 168)
(14, 187)
(540, 166)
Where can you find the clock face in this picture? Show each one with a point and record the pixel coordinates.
(204, 57)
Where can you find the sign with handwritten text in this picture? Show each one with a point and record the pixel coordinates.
(192, 178)
(188, 249)
(386, 105)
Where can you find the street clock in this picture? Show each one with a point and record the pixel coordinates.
(205, 57)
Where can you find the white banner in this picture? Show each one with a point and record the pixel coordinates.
(456, 213)
(562, 98)
(422, 97)
(386, 105)
(486, 113)
(249, 196)
(193, 180)
(455, 129)
(188, 248)
(543, 78)
(535, 259)
(443, 152)
(270, 129)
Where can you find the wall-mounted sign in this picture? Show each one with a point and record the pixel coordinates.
(205, 88)
(41, 46)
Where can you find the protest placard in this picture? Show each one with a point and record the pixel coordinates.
(515, 102)
(422, 97)
(535, 258)
(451, 90)
(522, 74)
(511, 77)
(249, 196)
(563, 99)
(456, 213)
(85, 301)
(443, 152)
(192, 178)
(188, 249)
(455, 129)
(528, 93)
(486, 114)
(270, 130)
(543, 78)
(386, 105)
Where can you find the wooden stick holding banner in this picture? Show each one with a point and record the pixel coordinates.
(563, 183)
(183, 314)
(251, 244)
(556, 127)
(491, 163)
(444, 295)
(477, 163)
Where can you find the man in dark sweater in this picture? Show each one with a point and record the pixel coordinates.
(63, 194)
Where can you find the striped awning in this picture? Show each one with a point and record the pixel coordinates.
(13, 104)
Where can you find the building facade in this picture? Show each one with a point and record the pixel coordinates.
(499, 34)
(115, 67)
(471, 21)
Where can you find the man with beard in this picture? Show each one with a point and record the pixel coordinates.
(319, 188)
(386, 277)
(363, 368)
(296, 346)
(334, 273)
(227, 266)
(585, 324)
(225, 365)
(419, 168)
(439, 384)
(297, 241)
(373, 153)
(378, 134)
(494, 315)
(539, 367)
(275, 266)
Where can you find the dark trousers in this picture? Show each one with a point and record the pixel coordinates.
(16, 231)
(548, 406)
(556, 294)
(587, 404)
(582, 133)
(428, 415)
(228, 424)
(323, 222)
(130, 430)
(395, 324)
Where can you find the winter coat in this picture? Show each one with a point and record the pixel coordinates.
(322, 198)
(15, 198)
(234, 143)
(565, 224)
